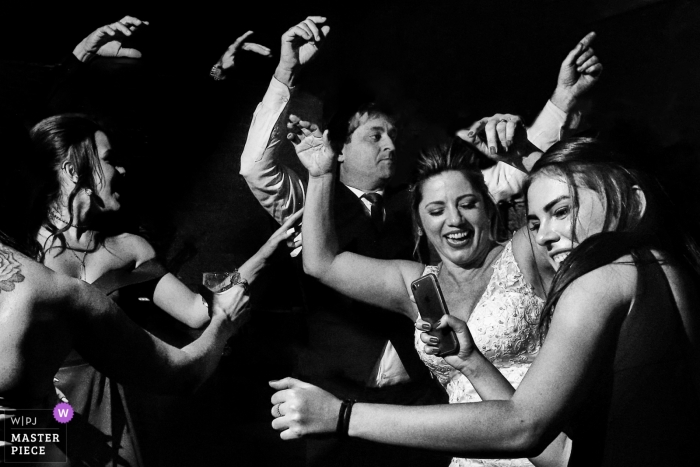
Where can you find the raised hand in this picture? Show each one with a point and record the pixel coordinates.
(467, 347)
(302, 409)
(299, 45)
(228, 59)
(502, 137)
(312, 146)
(108, 41)
(579, 71)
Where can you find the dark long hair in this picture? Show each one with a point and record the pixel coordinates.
(68, 138)
(455, 155)
(629, 224)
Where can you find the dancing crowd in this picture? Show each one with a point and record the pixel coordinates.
(578, 333)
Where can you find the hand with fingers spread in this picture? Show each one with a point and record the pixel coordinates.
(284, 234)
(312, 146)
(299, 45)
(502, 137)
(228, 59)
(302, 409)
(579, 71)
(110, 40)
(462, 360)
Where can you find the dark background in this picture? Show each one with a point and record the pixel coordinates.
(440, 64)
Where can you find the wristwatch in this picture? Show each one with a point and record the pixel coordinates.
(217, 72)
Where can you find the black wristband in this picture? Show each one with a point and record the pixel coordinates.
(341, 418)
(344, 418)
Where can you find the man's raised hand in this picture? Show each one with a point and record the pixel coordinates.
(108, 41)
(312, 146)
(299, 45)
(579, 71)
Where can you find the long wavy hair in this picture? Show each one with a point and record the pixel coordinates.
(61, 139)
(631, 222)
(455, 155)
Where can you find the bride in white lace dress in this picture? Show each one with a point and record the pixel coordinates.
(494, 287)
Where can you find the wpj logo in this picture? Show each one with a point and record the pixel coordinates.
(36, 435)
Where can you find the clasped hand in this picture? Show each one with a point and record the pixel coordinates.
(467, 348)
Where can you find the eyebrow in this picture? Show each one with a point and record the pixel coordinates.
(459, 198)
(377, 128)
(549, 205)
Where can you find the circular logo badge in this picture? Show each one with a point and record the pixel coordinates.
(63, 412)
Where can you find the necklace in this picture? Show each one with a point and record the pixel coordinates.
(83, 273)
(56, 216)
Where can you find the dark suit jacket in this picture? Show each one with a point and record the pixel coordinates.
(346, 337)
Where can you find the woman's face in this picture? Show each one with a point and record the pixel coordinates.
(551, 215)
(107, 194)
(455, 219)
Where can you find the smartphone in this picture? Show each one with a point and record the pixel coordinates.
(432, 307)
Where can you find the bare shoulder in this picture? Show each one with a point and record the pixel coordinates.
(603, 293)
(132, 246)
(532, 261)
(22, 276)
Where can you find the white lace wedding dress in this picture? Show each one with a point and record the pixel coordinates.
(504, 327)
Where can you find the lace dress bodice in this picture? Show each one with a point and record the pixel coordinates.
(504, 327)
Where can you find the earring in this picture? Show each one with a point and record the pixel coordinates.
(420, 232)
(88, 191)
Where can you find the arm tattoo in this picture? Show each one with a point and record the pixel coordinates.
(9, 270)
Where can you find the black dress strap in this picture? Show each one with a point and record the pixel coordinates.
(119, 278)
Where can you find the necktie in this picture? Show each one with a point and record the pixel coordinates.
(377, 210)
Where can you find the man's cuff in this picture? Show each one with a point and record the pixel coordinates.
(547, 127)
(277, 93)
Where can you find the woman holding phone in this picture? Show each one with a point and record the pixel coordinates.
(619, 367)
(492, 285)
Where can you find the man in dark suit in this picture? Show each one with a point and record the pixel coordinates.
(351, 349)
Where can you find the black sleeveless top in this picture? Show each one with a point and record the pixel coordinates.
(643, 409)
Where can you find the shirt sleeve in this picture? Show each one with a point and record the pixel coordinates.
(503, 181)
(277, 187)
(547, 127)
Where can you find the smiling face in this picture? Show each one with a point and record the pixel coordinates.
(107, 183)
(455, 219)
(557, 224)
(368, 158)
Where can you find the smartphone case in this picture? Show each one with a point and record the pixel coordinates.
(432, 307)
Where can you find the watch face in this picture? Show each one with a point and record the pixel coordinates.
(218, 282)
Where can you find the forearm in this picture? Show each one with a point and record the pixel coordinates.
(485, 429)
(488, 382)
(203, 355)
(318, 232)
(251, 268)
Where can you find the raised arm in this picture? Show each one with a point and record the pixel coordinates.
(497, 137)
(110, 40)
(379, 282)
(581, 337)
(277, 187)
